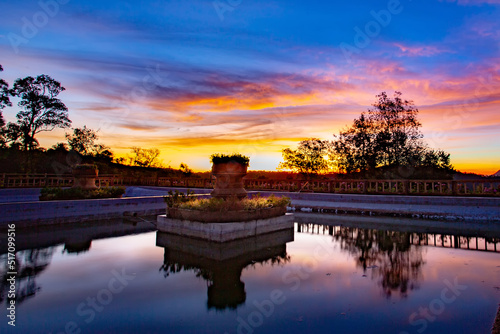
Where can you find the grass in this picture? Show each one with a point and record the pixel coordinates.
(176, 198)
(183, 201)
(57, 194)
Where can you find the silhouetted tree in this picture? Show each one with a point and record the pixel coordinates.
(387, 135)
(397, 129)
(42, 110)
(84, 141)
(186, 171)
(13, 135)
(436, 158)
(4, 102)
(59, 147)
(310, 157)
(4, 97)
(355, 147)
(145, 157)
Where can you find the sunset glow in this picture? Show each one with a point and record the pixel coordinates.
(196, 77)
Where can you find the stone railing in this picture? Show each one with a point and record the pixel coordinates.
(482, 187)
(34, 181)
(406, 187)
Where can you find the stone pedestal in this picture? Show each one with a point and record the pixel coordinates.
(85, 176)
(229, 180)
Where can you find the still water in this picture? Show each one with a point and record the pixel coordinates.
(320, 277)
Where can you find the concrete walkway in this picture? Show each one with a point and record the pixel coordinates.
(13, 195)
(430, 207)
(474, 211)
(19, 195)
(19, 206)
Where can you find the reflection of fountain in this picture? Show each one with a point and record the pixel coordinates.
(77, 247)
(77, 243)
(221, 264)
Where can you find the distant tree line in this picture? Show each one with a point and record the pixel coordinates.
(42, 110)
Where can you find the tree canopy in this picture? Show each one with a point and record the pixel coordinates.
(309, 158)
(84, 141)
(387, 135)
(42, 110)
(4, 97)
(144, 157)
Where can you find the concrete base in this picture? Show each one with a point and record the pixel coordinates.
(199, 253)
(223, 232)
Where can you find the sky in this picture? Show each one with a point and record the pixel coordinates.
(193, 78)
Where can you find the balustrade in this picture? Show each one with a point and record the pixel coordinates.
(403, 187)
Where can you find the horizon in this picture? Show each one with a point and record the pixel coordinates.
(203, 77)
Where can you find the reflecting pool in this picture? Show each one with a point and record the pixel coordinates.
(327, 275)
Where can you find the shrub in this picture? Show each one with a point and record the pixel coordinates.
(234, 204)
(219, 158)
(176, 198)
(58, 194)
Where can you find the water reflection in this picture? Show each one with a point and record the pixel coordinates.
(389, 256)
(77, 247)
(28, 265)
(327, 290)
(394, 258)
(36, 246)
(221, 264)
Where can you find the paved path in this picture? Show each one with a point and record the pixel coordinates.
(476, 210)
(17, 203)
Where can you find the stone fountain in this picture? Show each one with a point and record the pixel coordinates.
(227, 225)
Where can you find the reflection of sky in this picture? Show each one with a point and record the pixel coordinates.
(333, 296)
(266, 76)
